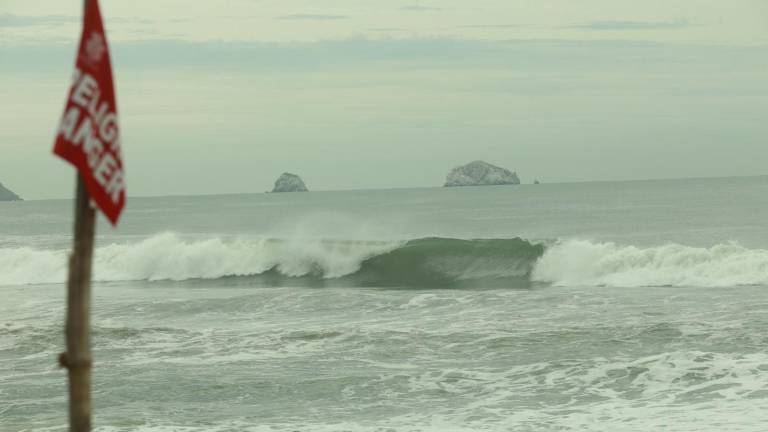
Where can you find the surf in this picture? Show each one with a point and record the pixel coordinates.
(587, 263)
(431, 262)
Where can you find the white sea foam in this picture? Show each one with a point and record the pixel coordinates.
(676, 391)
(167, 256)
(586, 263)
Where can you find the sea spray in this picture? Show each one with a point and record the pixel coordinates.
(419, 263)
(586, 263)
(167, 256)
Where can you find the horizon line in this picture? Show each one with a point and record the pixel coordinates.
(418, 187)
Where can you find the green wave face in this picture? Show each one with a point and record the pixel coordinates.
(426, 263)
(168, 259)
(451, 263)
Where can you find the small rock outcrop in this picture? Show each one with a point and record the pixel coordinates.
(7, 195)
(479, 173)
(288, 182)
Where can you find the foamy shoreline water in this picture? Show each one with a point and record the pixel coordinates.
(199, 358)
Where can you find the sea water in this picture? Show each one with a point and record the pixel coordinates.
(628, 306)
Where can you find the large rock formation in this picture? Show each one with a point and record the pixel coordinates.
(479, 173)
(288, 182)
(7, 195)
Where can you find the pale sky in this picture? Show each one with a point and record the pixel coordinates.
(222, 97)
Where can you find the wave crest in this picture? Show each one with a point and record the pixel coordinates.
(167, 256)
(426, 262)
(584, 263)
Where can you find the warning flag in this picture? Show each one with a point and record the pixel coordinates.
(88, 135)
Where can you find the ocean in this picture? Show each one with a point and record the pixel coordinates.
(608, 306)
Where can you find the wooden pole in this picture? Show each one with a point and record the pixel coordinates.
(77, 359)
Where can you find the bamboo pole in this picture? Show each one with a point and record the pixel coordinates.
(77, 359)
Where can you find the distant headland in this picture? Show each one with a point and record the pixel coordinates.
(7, 195)
(480, 173)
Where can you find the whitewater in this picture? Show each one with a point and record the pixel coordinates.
(516, 262)
(596, 306)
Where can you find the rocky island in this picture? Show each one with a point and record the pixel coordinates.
(7, 195)
(479, 173)
(288, 182)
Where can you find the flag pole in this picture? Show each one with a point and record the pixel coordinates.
(90, 117)
(77, 358)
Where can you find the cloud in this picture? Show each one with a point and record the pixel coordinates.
(634, 25)
(516, 58)
(137, 20)
(386, 29)
(491, 26)
(418, 8)
(9, 20)
(312, 17)
(534, 57)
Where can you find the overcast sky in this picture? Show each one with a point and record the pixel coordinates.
(223, 96)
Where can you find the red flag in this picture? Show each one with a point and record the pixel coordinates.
(89, 136)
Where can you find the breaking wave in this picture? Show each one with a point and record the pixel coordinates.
(585, 263)
(425, 262)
